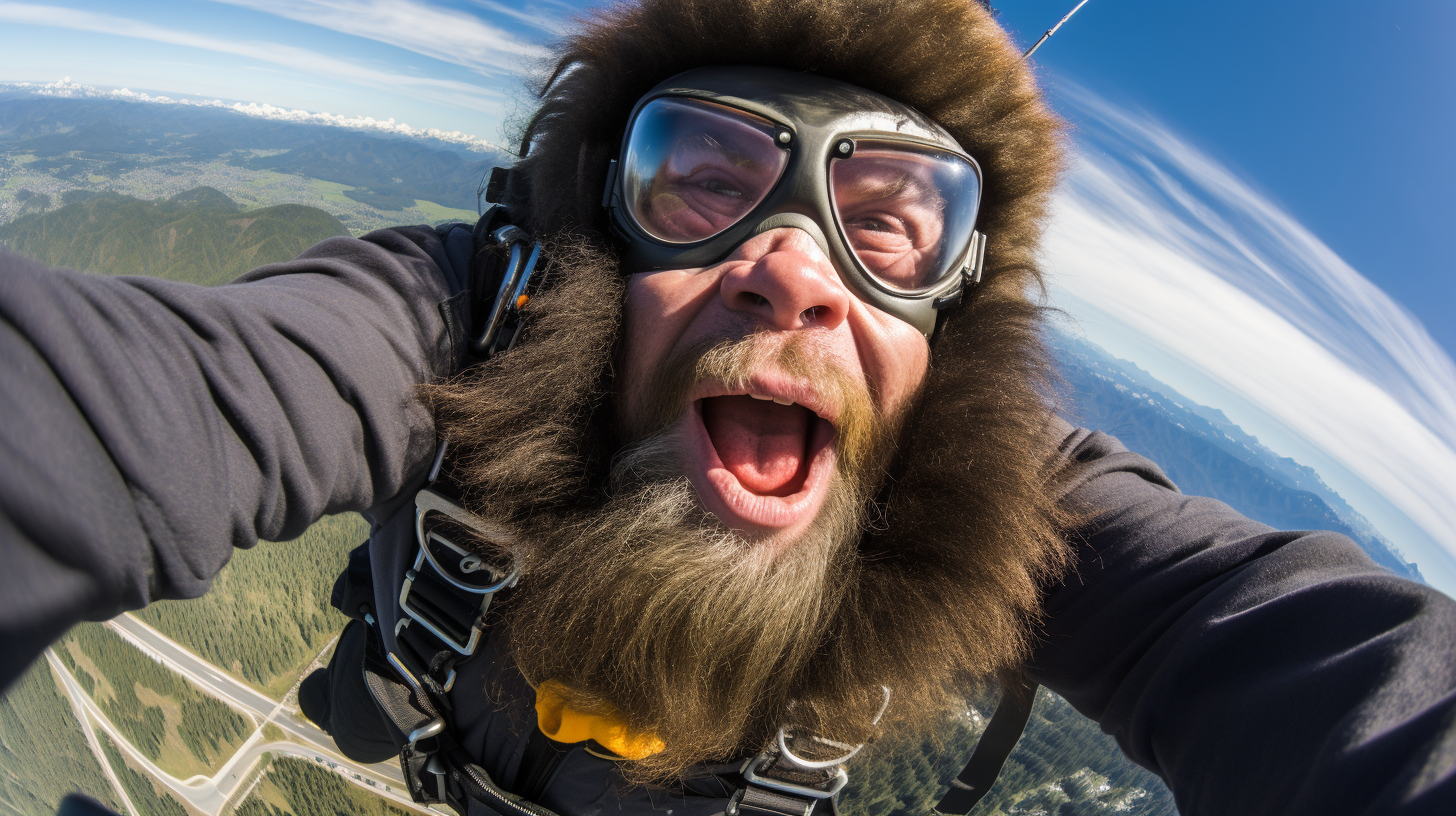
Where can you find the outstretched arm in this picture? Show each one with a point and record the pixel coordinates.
(149, 427)
(1257, 671)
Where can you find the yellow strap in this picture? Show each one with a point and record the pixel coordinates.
(563, 723)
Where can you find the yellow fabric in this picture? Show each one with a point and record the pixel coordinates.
(562, 723)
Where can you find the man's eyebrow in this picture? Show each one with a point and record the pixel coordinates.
(877, 187)
(727, 148)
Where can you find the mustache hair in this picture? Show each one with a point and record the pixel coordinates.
(734, 361)
(922, 572)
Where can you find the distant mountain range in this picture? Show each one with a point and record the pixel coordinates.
(86, 137)
(1204, 453)
(199, 236)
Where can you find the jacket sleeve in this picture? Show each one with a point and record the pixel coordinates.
(149, 426)
(1256, 671)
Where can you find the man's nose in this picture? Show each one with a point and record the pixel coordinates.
(791, 285)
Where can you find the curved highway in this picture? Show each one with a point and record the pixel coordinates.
(211, 794)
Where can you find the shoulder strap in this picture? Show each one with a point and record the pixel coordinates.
(991, 751)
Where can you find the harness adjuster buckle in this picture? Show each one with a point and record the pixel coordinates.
(457, 629)
(755, 769)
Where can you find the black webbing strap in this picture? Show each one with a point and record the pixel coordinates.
(757, 800)
(991, 751)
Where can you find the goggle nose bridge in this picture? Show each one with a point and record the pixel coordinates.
(798, 221)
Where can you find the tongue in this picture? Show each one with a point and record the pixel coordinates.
(762, 443)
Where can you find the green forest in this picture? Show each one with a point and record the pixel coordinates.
(43, 751)
(268, 613)
(309, 790)
(199, 236)
(142, 792)
(148, 702)
(1063, 766)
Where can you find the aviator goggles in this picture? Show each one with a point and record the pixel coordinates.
(718, 155)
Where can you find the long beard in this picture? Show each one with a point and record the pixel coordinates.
(639, 602)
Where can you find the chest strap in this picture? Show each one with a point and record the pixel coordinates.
(448, 589)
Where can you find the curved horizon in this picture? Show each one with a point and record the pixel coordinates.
(1169, 258)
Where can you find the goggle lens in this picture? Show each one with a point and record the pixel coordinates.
(906, 213)
(693, 169)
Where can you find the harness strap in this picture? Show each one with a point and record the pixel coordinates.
(771, 803)
(991, 751)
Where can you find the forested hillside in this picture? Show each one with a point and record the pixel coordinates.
(199, 236)
(43, 751)
(301, 788)
(150, 799)
(1062, 766)
(58, 145)
(268, 613)
(184, 731)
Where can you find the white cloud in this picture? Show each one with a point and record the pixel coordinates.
(441, 91)
(440, 33)
(550, 16)
(1171, 245)
(260, 110)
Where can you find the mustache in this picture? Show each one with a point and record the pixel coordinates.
(733, 361)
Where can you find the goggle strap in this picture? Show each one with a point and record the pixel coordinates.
(610, 189)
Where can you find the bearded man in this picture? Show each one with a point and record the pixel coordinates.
(774, 462)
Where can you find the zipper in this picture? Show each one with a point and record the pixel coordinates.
(477, 775)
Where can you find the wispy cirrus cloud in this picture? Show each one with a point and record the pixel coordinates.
(550, 16)
(309, 63)
(433, 31)
(1158, 239)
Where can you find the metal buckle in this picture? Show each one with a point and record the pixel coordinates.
(751, 768)
(432, 548)
(823, 764)
(433, 728)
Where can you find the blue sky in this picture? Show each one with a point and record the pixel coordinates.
(1258, 213)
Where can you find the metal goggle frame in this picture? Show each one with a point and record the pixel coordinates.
(716, 156)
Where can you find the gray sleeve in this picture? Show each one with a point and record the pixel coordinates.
(150, 427)
(1256, 671)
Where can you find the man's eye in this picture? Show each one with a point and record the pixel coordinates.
(882, 226)
(722, 188)
(877, 225)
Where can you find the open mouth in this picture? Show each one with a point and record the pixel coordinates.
(764, 458)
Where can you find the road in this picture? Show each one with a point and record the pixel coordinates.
(198, 792)
(210, 794)
(79, 701)
(218, 683)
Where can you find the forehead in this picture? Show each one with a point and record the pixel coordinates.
(805, 102)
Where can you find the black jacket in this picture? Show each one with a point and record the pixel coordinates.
(147, 428)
